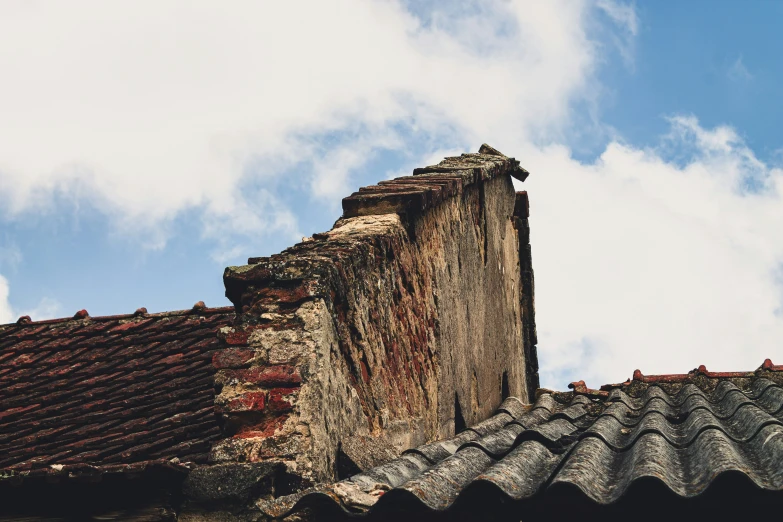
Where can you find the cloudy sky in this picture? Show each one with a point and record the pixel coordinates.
(146, 145)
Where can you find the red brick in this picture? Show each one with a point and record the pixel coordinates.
(236, 338)
(252, 401)
(281, 375)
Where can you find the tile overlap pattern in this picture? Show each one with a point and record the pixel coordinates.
(108, 393)
(684, 433)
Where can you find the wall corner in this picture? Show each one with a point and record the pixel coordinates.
(527, 295)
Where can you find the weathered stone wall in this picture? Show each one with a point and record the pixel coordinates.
(411, 315)
(527, 297)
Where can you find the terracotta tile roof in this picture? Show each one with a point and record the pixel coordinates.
(102, 394)
(684, 431)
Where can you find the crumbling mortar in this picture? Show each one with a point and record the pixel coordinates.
(386, 354)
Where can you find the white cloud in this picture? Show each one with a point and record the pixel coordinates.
(47, 308)
(645, 263)
(148, 109)
(6, 315)
(661, 259)
(624, 15)
(738, 72)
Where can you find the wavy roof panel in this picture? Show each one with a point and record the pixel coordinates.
(684, 432)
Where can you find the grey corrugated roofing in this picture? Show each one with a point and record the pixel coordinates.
(588, 448)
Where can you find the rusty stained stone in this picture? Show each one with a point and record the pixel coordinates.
(233, 336)
(247, 402)
(416, 287)
(232, 358)
(284, 295)
(265, 376)
(282, 399)
(266, 427)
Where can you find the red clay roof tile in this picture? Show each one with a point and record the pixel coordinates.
(109, 394)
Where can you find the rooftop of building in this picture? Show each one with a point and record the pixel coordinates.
(678, 437)
(94, 395)
(89, 397)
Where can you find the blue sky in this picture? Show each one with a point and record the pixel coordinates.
(145, 147)
(715, 59)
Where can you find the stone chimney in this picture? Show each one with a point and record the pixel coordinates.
(411, 318)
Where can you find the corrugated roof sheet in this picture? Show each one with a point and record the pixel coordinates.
(108, 394)
(684, 431)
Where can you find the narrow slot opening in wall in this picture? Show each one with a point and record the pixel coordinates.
(504, 393)
(459, 420)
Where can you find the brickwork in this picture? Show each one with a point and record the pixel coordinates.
(416, 308)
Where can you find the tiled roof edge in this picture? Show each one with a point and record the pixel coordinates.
(702, 370)
(77, 471)
(25, 321)
(580, 387)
